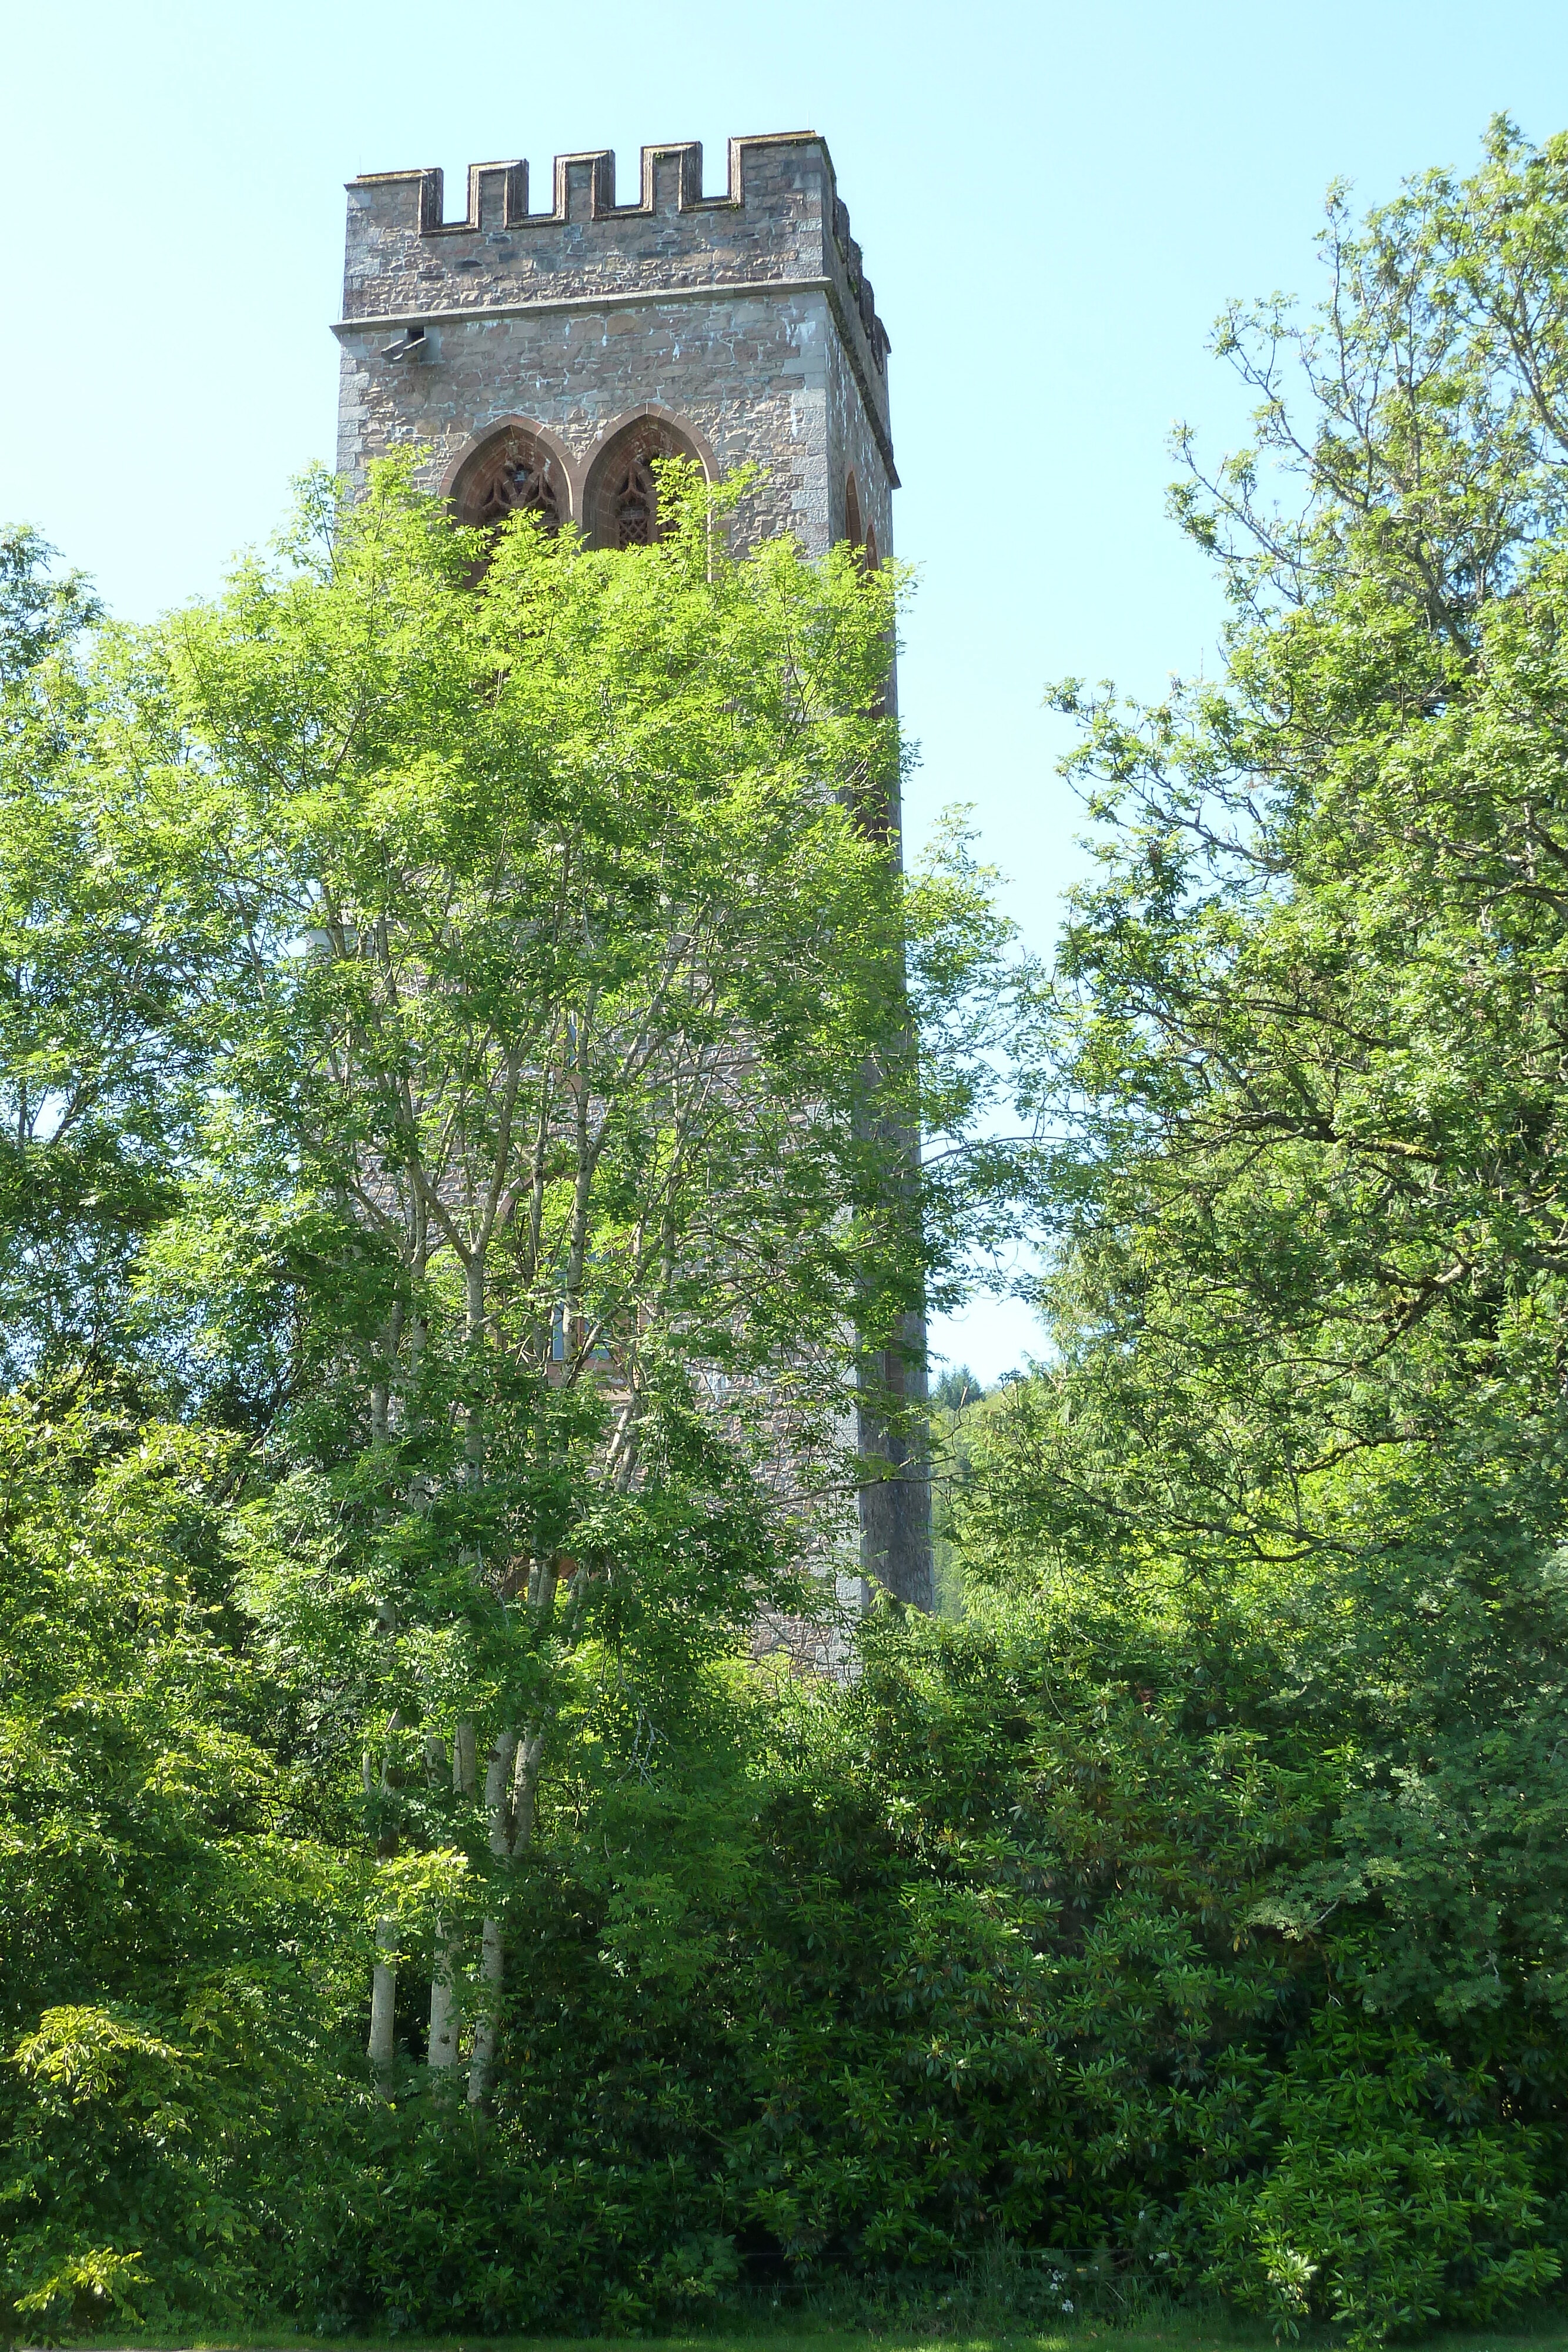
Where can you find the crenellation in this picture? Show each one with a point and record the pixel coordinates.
(584, 189)
(781, 219)
(673, 177)
(498, 197)
(778, 238)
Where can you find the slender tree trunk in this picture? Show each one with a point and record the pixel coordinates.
(474, 1434)
(492, 1985)
(511, 1789)
(381, 2045)
(444, 2020)
(525, 1788)
(492, 1957)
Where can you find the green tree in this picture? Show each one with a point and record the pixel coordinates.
(1301, 1088)
(465, 992)
(94, 979)
(171, 1915)
(556, 1180)
(1310, 1215)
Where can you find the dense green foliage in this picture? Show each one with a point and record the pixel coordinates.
(1304, 1081)
(400, 1258)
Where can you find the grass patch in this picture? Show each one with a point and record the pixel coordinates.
(1536, 2331)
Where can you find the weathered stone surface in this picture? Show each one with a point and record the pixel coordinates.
(745, 318)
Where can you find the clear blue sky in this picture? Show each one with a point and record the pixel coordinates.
(1053, 202)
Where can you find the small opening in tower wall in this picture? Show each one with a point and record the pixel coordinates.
(852, 530)
(621, 506)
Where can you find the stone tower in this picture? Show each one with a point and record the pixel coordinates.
(544, 357)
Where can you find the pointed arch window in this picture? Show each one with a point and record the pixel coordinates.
(512, 474)
(621, 504)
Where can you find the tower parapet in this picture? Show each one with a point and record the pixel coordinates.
(780, 221)
(726, 304)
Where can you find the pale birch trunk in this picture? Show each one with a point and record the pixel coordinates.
(443, 2005)
(474, 1434)
(511, 1782)
(381, 2045)
(492, 1956)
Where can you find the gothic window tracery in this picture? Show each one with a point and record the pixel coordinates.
(633, 500)
(621, 507)
(514, 474)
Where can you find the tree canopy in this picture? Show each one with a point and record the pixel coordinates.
(463, 1031)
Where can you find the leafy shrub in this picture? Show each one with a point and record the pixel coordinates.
(967, 1955)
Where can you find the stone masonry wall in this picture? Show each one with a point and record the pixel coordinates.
(747, 317)
(747, 378)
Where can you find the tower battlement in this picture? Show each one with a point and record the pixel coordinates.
(736, 328)
(779, 222)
